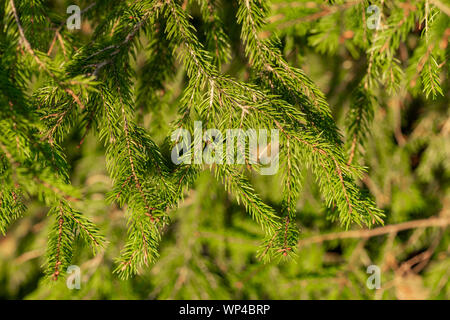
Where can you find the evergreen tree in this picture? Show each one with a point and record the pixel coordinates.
(88, 117)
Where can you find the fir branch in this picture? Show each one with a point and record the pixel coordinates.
(360, 117)
(41, 64)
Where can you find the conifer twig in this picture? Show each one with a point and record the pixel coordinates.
(41, 64)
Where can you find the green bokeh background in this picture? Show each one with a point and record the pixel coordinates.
(209, 249)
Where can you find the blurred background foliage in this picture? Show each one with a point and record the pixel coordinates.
(209, 250)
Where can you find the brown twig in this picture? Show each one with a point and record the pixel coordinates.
(58, 246)
(422, 223)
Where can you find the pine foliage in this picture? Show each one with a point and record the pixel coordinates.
(54, 82)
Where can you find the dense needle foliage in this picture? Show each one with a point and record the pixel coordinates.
(86, 175)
